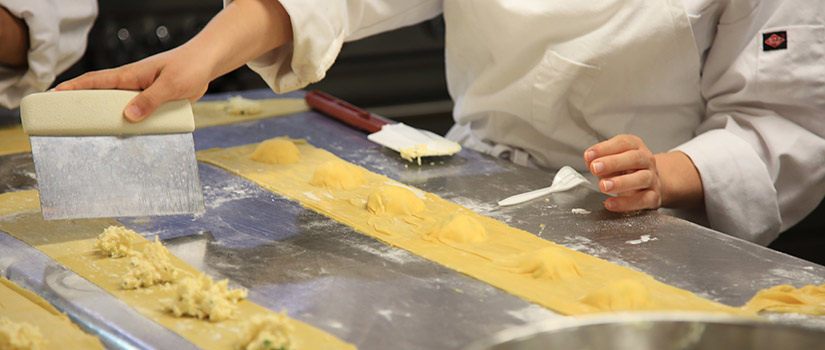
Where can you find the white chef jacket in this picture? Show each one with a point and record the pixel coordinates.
(57, 39)
(540, 81)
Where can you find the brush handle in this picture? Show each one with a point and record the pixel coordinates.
(344, 111)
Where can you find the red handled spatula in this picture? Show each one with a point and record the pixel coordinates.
(410, 142)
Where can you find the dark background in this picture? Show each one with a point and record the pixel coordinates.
(399, 74)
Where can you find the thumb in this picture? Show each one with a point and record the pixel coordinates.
(146, 102)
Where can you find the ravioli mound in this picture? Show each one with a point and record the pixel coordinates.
(395, 200)
(150, 267)
(268, 332)
(19, 335)
(619, 295)
(459, 228)
(277, 151)
(203, 298)
(549, 263)
(338, 174)
(116, 241)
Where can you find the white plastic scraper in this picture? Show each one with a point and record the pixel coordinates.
(412, 143)
(90, 162)
(565, 179)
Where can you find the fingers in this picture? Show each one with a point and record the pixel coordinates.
(620, 153)
(630, 182)
(639, 200)
(147, 101)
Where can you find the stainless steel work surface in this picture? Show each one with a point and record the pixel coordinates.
(376, 296)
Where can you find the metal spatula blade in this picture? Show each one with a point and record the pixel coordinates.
(111, 176)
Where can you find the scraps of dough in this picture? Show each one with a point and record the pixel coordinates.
(30, 322)
(519, 262)
(73, 243)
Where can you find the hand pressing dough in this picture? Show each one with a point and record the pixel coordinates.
(116, 241)
(201, 297)
(270, 332)
(150, 267)
(785, 298)
(19, 336)
(337, 174)
(620, 295)
(550, 263)
(394, 200)
(277, 151)
(459, 228)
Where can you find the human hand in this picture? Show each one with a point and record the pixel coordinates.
(627, 168)
(14, 39)
(641, 179)
(171, 75)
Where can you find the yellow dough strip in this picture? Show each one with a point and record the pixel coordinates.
(71, 243)
(602, 286)
(56, 329)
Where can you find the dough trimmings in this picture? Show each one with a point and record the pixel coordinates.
(205, 299)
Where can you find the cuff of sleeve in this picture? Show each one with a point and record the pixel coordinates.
(740, 198)
(317, 40)
(44, 32)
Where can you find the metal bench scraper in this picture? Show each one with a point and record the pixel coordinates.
(90, 162)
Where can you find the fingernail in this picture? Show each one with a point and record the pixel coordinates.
(590, 155)
(610, 205)
(598, 167)
(133, 112)
(608, 185)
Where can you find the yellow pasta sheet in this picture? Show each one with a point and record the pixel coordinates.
(508, 258)
(215, 113)
(71, 243)
(58, 332)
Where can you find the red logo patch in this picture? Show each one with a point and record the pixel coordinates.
(774, 41)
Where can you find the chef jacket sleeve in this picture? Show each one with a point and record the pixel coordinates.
(761, 149)
(320, 27)
(58, 31)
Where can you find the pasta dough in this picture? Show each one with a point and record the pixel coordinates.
(72, 243)
(276, 151)
(476, 247)
(786, 298)
(30, 322)
(395, 200)
(19, 335)
(337, 174)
